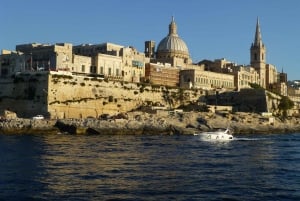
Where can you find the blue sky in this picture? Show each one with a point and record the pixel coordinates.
(212, 29)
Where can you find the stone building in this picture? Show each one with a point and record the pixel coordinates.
(11, 62)
(114, 61)
(47, 57)
(271, 75)
(133, 64)
(92, 50)
(280, 88)
(81, 64)
(37, 57)
(244, 76)
(109, 66)
(198, 78)
(218, 65)
(162, 74)
(105, 60)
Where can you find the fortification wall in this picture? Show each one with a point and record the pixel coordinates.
(252, 100)
(24, 94)
(67, 96)
(81, 97)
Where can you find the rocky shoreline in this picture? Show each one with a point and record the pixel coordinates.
(144, 123)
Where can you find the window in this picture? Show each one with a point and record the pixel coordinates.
(93, 69)
(101, 70)
(83, 68)
(138, 64)
(109, 71)
(255, 56)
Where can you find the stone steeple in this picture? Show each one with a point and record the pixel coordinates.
(257, 39)
(258, 55)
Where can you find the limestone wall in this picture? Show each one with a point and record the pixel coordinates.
(250, 100)
(25, 94)
(80, 97)
(58, 95)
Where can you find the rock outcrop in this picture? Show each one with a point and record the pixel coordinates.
(27, 126)
(161, 123)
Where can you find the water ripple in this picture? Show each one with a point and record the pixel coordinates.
(48, 167)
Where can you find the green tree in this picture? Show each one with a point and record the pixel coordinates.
(285, 104)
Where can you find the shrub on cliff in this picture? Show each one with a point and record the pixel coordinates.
(285, 104)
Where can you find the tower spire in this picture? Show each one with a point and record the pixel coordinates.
(257, 39)
(258, 55)
(173, 27)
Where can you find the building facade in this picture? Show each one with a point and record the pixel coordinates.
(162, 74)
(111, 67)
(244, 76)
(199, 79)
(133, 64)
(271, 75)
(11, 62)
(81, 64)
(92, 50)
(47, 57)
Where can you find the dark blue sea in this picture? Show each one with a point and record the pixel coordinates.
(149, 167)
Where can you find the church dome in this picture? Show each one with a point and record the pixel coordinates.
(173, 44)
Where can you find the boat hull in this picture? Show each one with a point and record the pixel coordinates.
(215, 136)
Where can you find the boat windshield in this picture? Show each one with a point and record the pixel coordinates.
(227, 131)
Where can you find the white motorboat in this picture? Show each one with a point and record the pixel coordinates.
(216, 135)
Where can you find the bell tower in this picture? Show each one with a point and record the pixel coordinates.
(258, 55)
(150, 49)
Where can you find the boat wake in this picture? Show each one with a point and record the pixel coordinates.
(231, 139)
(247, 139)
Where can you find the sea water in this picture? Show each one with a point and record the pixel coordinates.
(149, 167)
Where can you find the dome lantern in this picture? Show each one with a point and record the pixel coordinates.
(173, 28)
